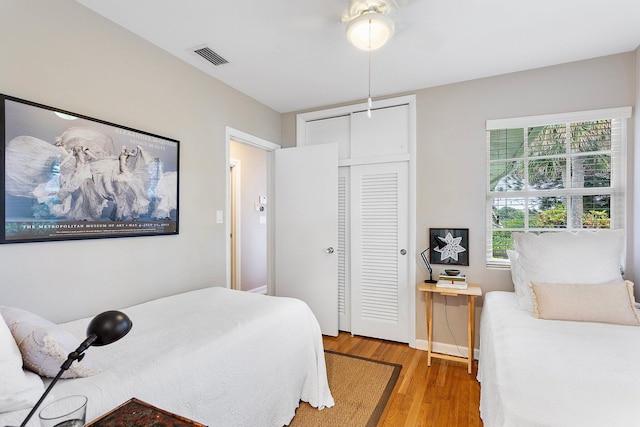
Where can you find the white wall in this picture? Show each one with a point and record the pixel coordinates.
(64, 55)
(451, 136)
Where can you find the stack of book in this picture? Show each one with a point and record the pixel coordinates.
(455, 282)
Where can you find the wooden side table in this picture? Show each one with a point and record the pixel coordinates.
(471, 292)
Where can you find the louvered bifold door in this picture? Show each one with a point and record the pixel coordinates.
(344, 251)
(379, 264)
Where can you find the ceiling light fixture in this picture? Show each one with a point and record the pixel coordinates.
(368, 31)
(371, 30)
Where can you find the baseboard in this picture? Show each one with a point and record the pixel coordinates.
(449, 349)
(259, 290)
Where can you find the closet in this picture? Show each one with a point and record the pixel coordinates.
(375, 247)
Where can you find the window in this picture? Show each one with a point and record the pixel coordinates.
(554, 172)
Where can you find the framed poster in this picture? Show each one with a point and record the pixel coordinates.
(67, 176)
(449, 246)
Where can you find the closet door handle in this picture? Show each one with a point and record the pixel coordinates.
(329, 250)
(403, 252)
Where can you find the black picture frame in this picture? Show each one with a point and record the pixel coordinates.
(449, 246)
(67, 176)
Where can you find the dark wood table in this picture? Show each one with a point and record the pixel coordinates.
(136, 413)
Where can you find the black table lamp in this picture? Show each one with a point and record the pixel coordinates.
(426, 263)
(104, 329)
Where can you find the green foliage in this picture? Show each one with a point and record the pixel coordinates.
(501, 243)
(596, 219)
(555, 217)
(507, 215)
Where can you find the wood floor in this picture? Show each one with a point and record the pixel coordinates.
(443, 395)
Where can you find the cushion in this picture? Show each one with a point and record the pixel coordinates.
(566, 257)
(18, 390)
(44, 345)
(604, 302)
(517, 275)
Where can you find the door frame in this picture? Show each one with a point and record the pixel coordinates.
(232, 134)
(235, 222)
(410, 101)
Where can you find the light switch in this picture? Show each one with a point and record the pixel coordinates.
(219, 217)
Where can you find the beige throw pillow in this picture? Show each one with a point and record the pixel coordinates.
(44, 345)
(605, 302)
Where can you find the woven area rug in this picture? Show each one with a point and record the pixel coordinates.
(360, 387)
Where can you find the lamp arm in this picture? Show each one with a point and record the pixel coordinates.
(46, 392)
(428, 265)
(77, 354)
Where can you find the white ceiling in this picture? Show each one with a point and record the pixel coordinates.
(292, 54)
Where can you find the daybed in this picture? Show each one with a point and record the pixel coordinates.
(217, 356)
(564, 355)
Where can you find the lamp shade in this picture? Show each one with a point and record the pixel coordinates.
(109, 327)
(370, 31)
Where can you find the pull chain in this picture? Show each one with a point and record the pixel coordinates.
(369, 102)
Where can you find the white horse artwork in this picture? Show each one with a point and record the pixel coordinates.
(81, 177)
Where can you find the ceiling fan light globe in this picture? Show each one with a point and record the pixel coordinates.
(382, 29)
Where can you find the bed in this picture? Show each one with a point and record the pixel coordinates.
(217, 356)
(536, 372)
(566, 369)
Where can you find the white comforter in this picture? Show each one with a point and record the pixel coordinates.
(217, 356)
(536, 372)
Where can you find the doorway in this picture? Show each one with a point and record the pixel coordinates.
(249, 220)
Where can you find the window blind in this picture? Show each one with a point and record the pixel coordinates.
(554, 172)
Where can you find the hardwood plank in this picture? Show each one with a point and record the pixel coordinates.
(442, 395)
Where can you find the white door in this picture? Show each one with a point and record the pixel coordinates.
(379, 253)
(306, 229)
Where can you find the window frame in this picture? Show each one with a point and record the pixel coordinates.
(617, 189)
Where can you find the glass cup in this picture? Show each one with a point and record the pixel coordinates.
(69, 411)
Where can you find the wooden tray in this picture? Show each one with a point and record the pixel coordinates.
(136, 413)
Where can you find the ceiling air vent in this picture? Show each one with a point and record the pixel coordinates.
(210, 55)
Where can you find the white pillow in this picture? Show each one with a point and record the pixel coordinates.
(566, 257)
(44, 345)
(517, 275)
(18, 389)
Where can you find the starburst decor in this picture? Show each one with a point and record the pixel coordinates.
(451, 249)
(449, 246)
